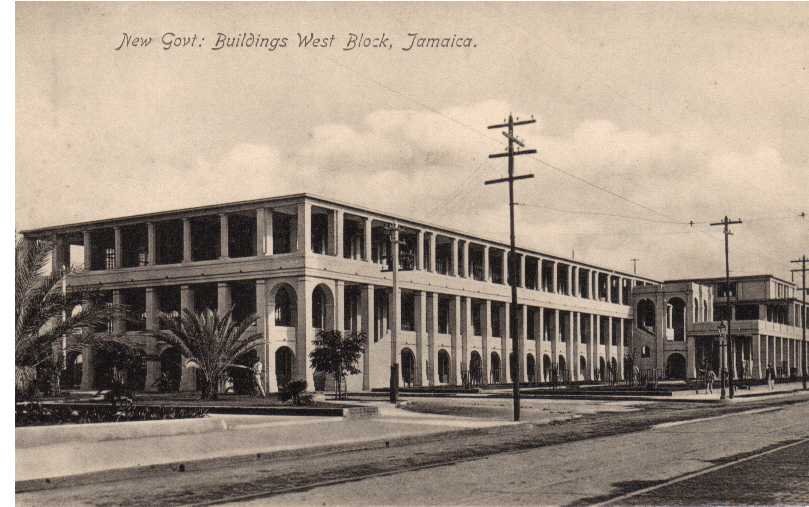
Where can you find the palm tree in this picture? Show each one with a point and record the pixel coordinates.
(209, 342)
(43, 314)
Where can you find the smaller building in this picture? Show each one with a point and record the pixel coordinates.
(676, 327)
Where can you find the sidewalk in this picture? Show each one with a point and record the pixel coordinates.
(262, 436)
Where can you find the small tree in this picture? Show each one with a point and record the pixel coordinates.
(337, 355)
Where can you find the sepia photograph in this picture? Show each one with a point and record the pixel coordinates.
(410, 253)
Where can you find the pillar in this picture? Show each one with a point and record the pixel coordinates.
(608, 339)
(151, 244)
(367, 317)
(303, 329)
(186, 240)
(690, 358)
(486, 323)
(505, 268)
(339, 305)
(487, 276)
(522, 271)
(554, 276)
(433, 241)
(576, 343)
(569, 280)
(223, 300)
(538, 339)
(755, 357)
(432, 332)
(421, 337)
(556, 337)
(465, 269)
(466, 333)
(571, 340)
(522, 332)
(304, 234)
(454, 271)
(420, 250)
(505, 341)
(367, 226)
(263, 349)
(118, 247)
(88, 250)
(269, 233)
(261, 236)
(338, 233)
(118, 319)
(188, 378)
(620, 354)
(88, 373)
(455, 330)
(224, 252)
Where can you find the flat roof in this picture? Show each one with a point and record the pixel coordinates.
(719, 279)
(45, 231)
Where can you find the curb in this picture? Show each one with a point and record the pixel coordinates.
(48, 483)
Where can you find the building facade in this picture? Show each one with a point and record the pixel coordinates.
(304, 263)
(677, 326)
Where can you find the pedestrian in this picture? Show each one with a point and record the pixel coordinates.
(258, 373)
(710, 378)
(770, 377)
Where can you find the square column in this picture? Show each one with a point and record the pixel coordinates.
(367, 317)
(304, 234)
(304, 333)
(433, 241)
(88, 374)
(570, 288)
(188, 376)
(608, 341)
(261, 235)
(574, 281)
(556, 337)
(538, 326)
(367, 223)
(454, 270)
(577, 333)
(620, 358)
(571, 340)
(505, 342)
(223, 301)
(690, 360)
(596, 346)
(522, 271)
(455, 329)
(554, 278)
(186, 240)
(152, 309)
(486, 323)
(432, 331)
(119, 251)
(620, 290)
(88, 254)
(487, 276)
(118, 322)
(421, 338)
(339, 306)
(263, 349)
(465, 271)
(224, 252)
(151, 244)
(522, 332)
(466, 333)
(420, 250)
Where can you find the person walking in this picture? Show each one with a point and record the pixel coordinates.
(710, 378)
(770, 377)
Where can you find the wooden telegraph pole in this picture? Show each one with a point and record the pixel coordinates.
(395, 243)
(513, 266)
(726, 223)
(804, 315)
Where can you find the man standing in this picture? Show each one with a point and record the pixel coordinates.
(770, 377)
(709, 380)
(258, 373)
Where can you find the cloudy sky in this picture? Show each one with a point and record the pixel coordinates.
(649, 116)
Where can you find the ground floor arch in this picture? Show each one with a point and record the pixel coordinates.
(546, 366)
(530, 368)
(284, 361)
(495, 368)
(443, 366)
(408, 360)
(475, 368)
(675, 366)
(561, 374)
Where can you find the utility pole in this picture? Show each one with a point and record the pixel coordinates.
(634, 265)
(726, 223)
(393, 236)
(513, 265)
(804, 314)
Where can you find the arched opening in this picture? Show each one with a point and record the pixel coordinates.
(705, 311)
(408, 367)
(646, 315)
(170, 370)
(241, 374)
(530, 368)
(116, 361)
(322, 304)
(562, 375)
(285, 306)
(443, 366)
(582, 365)
(71, 375)
(602, 368)
(696, 310)
(512, 366)
(678, 318)
(495, 367)
(284, 359)
(675, 366)
(475, 368)
(546, 367)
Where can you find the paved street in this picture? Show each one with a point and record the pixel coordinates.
(594, 470)
(588, 459)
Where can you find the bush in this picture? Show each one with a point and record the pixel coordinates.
(293, 390)
(37, 414)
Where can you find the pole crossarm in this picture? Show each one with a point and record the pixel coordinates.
(512, 123)
(508, 179)
(512, 154)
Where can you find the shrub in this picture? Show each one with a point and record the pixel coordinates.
(37, 414)
(293, 391)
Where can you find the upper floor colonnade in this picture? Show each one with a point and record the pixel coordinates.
(310, 227)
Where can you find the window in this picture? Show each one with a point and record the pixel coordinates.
(284, 308)
(109, 258)
(443, 316)
(727, 290)
(408, 312)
